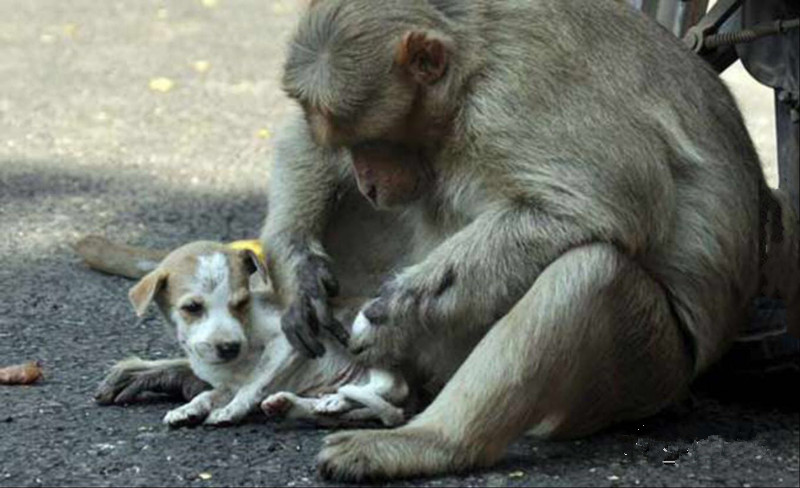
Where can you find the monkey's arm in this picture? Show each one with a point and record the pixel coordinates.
(468, 282)
(302, 193)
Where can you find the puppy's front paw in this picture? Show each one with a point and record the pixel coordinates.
(186, 415)
(228, 415)
(278, 404)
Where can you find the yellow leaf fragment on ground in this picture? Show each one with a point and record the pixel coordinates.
(70, 30)
(205, 476)
(201, 66)
(162, 13)
(516, 474)
(209, 3)
(264, 134)
(161, 85)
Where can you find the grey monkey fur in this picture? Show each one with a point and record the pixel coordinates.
(592, 178)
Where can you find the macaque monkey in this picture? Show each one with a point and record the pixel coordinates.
(571, 228)
(589, 236)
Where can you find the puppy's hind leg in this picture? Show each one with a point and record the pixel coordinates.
(379, 396)
(130, 378)
(288, 405)
(592, 342)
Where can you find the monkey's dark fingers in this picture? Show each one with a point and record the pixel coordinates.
(307, 344)
(301, 330)
(328, 322)
(339, 332)
(329, 282)
(319, 273)
(302, 314)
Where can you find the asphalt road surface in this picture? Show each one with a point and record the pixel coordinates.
(150, 122)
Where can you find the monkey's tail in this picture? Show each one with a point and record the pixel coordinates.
(781, 269)
(117, 259)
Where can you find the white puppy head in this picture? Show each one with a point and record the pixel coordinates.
(203, 291)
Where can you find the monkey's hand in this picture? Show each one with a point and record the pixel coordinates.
(309, 310)
(380, 337)
(465, 284)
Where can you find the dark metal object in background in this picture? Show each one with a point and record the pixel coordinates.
(675, 15)
(775, 61)
(724, 18)
(765, 35)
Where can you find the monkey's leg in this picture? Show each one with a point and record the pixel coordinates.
(591, 343)
(130, 378)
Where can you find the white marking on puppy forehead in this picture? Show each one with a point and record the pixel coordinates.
(212, 271)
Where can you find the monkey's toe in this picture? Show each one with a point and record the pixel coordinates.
(344, 459)
(338, 438)
(370, 455)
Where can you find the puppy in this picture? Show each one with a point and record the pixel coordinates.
(215, 298)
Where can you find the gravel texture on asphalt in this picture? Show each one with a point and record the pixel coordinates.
(150, 122)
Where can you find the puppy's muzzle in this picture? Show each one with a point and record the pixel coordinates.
(228, 351)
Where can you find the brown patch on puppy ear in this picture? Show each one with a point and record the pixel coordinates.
(143, 293)
(253, 264)
(424, 55)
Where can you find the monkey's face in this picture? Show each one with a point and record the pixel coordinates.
(382, 101)
(390, 175)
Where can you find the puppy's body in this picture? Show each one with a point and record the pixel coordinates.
(231, 334)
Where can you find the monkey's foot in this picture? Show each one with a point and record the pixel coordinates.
(367, 455)
(278, 404)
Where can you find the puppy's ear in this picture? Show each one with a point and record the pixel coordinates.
(253, 264)
(143, 293)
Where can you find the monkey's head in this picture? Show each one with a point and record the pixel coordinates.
(376, 78)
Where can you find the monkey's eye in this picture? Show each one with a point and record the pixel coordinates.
(193, 308)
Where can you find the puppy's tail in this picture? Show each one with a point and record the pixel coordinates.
(782, 264)
(116, 259)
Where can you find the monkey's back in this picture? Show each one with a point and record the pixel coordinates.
(628, 131)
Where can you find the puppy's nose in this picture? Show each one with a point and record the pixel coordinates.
(228, 350)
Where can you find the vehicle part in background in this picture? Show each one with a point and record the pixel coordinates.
(775, 62)
(675, 15)
(765, 34)
(723, 19)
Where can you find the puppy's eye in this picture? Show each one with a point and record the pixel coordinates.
(193, 308)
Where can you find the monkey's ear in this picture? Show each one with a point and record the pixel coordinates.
(143, 293)
(253, 264)
(424, 54)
